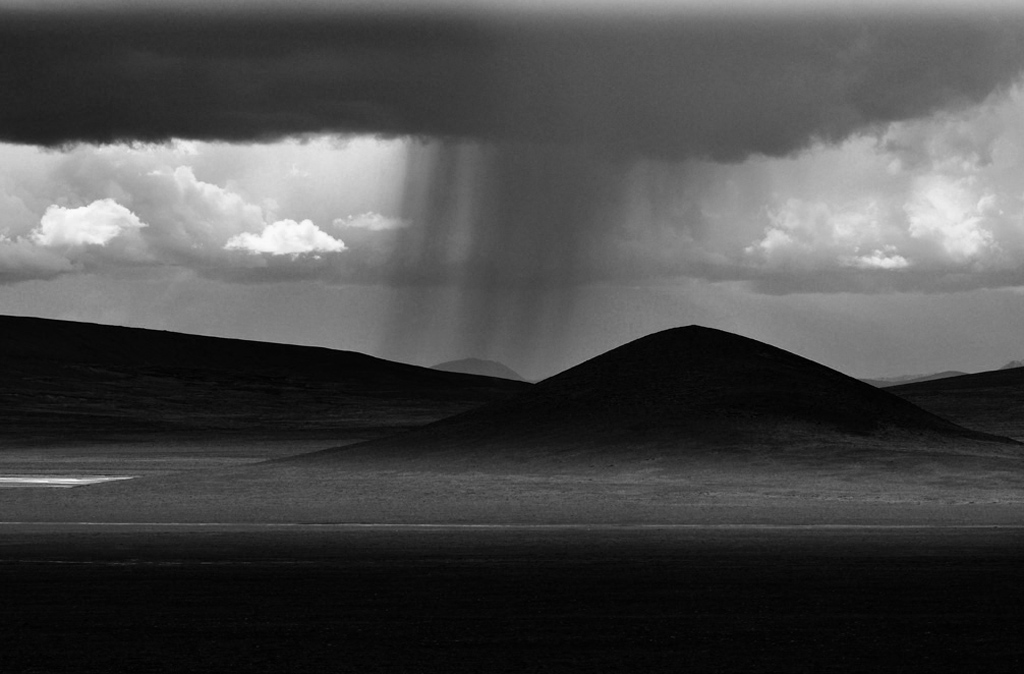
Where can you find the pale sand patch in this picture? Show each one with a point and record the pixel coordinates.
(57, 481)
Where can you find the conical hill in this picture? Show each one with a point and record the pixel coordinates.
(684, 390)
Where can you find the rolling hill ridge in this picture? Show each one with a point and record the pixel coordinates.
(685, 390)
(64, 382)
(988, 401)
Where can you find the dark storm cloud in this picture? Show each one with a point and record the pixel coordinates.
(521, 213)
(676, 86)
(105, 76)
(529, 186)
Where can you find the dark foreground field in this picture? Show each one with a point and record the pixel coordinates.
(511, 599)
(692, 502)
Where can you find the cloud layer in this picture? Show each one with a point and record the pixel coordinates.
(97, 210)
(794, 151)
(699, 84)
(931, 205)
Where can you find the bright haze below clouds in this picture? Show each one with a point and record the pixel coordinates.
(533, 174)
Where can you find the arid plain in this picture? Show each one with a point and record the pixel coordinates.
(693, 500)
(687, 426)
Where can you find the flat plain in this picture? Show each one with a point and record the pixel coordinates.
(841, 530)
(511, 599)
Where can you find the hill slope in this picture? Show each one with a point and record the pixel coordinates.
(65, 382)
(988, 401)
(672, 394)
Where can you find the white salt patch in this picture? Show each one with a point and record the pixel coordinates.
(58, 481)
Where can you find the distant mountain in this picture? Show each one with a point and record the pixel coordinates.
(1012, 364)
(68, 383)
(882, 382)
(478, 366)
(678, 394)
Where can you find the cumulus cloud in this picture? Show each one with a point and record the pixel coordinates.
(814, 234)
(946, 213)
(933, 205)
(66, 240)
(286, 237)
(97, 209)
(94, 224)
(920, 236)
(193, 218)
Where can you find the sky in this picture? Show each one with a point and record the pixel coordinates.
(529, 182)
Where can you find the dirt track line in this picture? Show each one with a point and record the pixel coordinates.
(581, 527)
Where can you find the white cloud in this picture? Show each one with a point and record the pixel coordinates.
(938, 199)
(948, 213)
(95, 224)
(286, 237)
(232, 212)
(886, 258)
(816, 234)
(202, 210)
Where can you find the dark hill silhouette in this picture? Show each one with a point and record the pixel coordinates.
(676, 391)
(66, 382)
(485, 368)
(988, 401)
